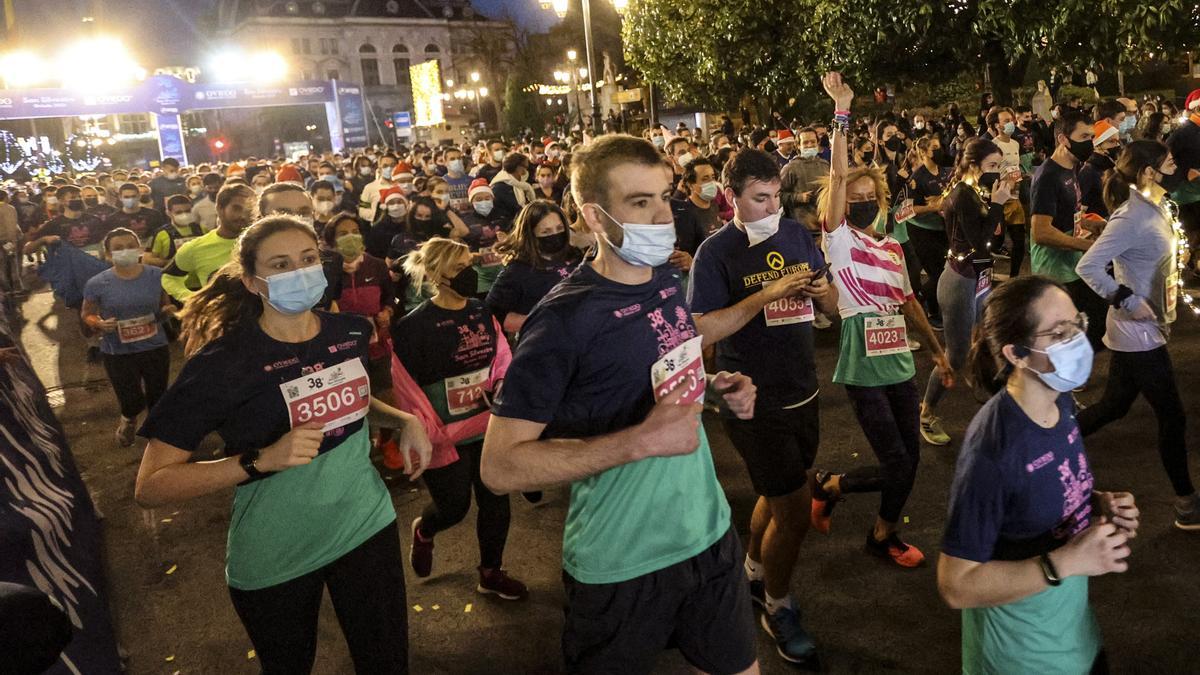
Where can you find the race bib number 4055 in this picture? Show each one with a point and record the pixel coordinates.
(683, 364)
(333, 397)
(885, 335)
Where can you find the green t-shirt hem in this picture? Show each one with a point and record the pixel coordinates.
(625, 574)
(1054, 263)
(855, 368)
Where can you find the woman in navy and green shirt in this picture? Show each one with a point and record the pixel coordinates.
(286, 389)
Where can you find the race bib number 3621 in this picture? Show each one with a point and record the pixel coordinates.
(333, 397)
(682, 366)
(137, 329)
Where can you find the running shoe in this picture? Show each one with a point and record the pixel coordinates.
(821, 322)
(935, 321)
(126, 429)
(913, 345)
(899, 552)
(532, 497)
(822, 503)
(1001, 252)
(392, 458)
(420, 556)
(1189, 520)
(932, 431)
(758, 593)
(792, 642)
(497, 582)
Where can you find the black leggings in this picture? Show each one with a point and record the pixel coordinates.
(1087, 301)
(138, 379)
(367, 589)
(931, 247)
(450, 487)
(1017, 253)
(890, 419)
(1151, 375)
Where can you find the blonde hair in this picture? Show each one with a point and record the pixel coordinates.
(432, 260)
(853, 176)
(224, 303)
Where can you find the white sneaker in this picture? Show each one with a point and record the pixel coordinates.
(913, 345)
(821, 322)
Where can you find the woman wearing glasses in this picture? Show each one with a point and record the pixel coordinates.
(1025, 528)
(1140, 242)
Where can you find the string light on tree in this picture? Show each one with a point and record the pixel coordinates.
(12, 155)
(1183, 254)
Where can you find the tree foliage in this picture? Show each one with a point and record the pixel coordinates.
(711, 53)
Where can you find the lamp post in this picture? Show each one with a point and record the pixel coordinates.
(560, 8)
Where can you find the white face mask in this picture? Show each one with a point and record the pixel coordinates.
(126, 257)
(498, 156)
(184, 219)
(808, 153)
(483, 207)
(684, 159)
(644, 245)
(708, 191)
(397, 211)
(763, 229)
(323, 208)
(455, 166)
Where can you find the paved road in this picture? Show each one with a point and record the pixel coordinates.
(868, 617)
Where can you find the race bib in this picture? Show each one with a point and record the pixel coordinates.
(684, 363)
(465, 394)
(333, 397)
(984, 283)
(885, 335)
(137, 329)
(1172, 293)
(906, 211)
(786, 311)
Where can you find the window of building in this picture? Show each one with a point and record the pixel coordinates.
(332, 74)
(324, 46)
(307, 45)
(370, 66)
(134, 123)
(400, 62)
(333, 45)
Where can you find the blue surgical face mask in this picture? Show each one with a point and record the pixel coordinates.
(483, 207)
(644, 245)
(386, 172)
(455, 166)
(708, 191)
(1128, 124)
(296, 291)
(1072, 361)
(808, 153)
(1009, 128)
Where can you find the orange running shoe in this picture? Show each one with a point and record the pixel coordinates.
(392, 458)
(899, 552)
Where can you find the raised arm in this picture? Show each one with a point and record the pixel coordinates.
(839, 163)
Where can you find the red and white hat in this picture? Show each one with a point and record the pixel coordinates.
(1193, 100)
(388, 193)
(477, 186)
(402, 172)
(1104, 131)
(785, 136)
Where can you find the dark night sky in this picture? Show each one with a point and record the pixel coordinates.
(170, 32)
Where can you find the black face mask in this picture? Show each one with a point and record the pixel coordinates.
(1171, 181)
(894, 144)
(553, 244)
(466, 283)
(1081, 149)
(988, 180)
(91, 202)
(862, 214)
(868, 157)
(75, 204)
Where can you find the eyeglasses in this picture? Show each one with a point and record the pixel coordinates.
(1065, 330)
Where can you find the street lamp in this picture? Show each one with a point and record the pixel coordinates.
(475, 76)
(560, 8)
(572, 55)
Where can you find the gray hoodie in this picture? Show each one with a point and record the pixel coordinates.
(1140, 242)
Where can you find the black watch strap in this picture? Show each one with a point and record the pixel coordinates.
(1048, 570)
(246, 460)
(1119, 297)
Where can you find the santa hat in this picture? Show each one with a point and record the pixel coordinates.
(386, 193)
(784, 136)
(1104, 131)
(288, 173)
(479, 185)
(547, 140)
(402, 169)
(1193, 100)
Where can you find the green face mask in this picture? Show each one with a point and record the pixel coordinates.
(350, 246)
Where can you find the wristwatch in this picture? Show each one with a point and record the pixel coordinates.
(1048, 570)
(247, 460)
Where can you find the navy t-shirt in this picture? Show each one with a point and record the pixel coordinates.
(778, 358)
(1056, 193)
(232, 386)
(1019, 490)
(434, 343)
(520, 286)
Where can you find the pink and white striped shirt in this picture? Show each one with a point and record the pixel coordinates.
(869, 273)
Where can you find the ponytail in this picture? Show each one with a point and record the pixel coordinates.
(433, 258)
(1134, 159)
(1008, 319)
(973, 152)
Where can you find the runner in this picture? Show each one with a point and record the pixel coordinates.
(756, 285)
(579, 406)
(1140, 243)
(972, 211)
(127, 304)
(537, 255)
(450, 359)
(135, 215)
(165, 243)
(200, 258)
(1025, 529)
(286, 389)
(876, 303)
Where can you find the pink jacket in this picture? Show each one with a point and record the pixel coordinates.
(410, 398)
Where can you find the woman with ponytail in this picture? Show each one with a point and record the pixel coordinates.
(450, 356)
(1140, 242)
(286, 388)
(1025, 528)
(972, 211)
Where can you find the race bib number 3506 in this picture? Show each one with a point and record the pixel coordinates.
(885, 335)
(333, 397)
(683, 364)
